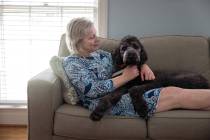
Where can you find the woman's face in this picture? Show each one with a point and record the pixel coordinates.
(90, 42)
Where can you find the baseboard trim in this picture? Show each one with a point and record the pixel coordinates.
(13, 116)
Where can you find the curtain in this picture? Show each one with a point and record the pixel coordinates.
(29, 36)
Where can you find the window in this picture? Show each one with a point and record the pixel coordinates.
(30, 32)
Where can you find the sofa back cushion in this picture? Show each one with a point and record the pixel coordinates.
(189, 53)
(178, 53)
(63, 50)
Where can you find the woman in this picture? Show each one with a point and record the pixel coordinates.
(90, 71)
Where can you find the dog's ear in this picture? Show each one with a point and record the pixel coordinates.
(117, 58)
(143, 54)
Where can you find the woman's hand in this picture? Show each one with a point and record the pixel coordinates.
(146, 73)
(130, 72)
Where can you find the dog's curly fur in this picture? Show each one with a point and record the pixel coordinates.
(132, 52)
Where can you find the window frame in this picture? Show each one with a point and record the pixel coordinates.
(103, 18)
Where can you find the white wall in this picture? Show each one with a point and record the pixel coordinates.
(13, 116)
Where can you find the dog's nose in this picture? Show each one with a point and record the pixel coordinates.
(131, 59)
(131, 54)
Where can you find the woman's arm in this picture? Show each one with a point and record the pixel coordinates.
(129, 73)
(87, 82)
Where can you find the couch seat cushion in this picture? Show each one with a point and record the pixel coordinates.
(73, 121)
(180, 124)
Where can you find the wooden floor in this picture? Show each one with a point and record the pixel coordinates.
(13, 132)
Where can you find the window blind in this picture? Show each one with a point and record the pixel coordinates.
(30, 31)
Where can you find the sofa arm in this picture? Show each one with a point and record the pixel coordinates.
(44, 97)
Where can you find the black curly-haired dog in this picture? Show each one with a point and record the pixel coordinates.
(132, 52)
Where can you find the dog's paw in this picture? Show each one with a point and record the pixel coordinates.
(141, 108)
(103, 106)
(134, 92)
(140, 105)
(94, 116)
(143, 111)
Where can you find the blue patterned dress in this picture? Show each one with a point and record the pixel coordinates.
(92, 79)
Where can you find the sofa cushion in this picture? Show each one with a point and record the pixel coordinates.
(180, 124)
(109, 44)
(189, 53)
(177, 52)
(69, 92)
(63, 49)
(74, 122)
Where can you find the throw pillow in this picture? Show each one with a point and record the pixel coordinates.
(69, 94)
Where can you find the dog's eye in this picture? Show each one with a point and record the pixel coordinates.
(135, 46)
(123, 48)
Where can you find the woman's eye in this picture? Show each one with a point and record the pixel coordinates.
(92, 37)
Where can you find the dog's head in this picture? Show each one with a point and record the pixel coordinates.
(130, 52)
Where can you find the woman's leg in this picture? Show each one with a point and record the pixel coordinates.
(174, 97)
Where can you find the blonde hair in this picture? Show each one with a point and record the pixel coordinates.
(77, 29)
